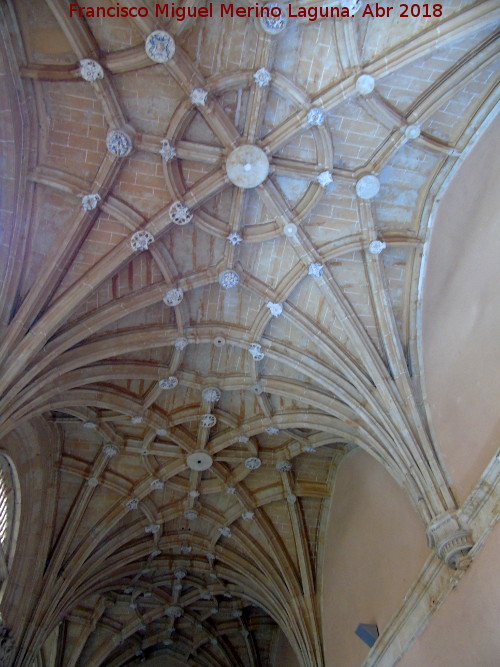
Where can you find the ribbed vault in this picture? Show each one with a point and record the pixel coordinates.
(266, 330)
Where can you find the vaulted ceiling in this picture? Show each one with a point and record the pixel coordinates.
(204, 354)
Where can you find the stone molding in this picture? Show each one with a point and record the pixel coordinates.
(167, 151)
(211, 394)
(228, 279)
(141, 240)
(436, 580)
(160, 46)
(199, 97)
(255, 350)
(90, 201)
(119, 143)
(376, 247)
(262, 77)
(451, 540)
(234, 238)
(208, 420)
(168, 383)
(180, 214)
(273, 25)
(90, 70)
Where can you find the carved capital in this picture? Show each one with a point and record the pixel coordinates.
(451, 540)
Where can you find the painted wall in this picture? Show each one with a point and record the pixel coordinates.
(464, 631)
(461, 333)
(461, 317)
(375, 546)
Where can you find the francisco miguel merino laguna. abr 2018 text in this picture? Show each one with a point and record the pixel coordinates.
(231, 10)
(222, 9)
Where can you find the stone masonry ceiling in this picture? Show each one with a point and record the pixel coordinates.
(213, 233)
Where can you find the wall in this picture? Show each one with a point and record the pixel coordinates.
(461, 317)
(375, 547)
(461, 327)
(284, 655)
(375, 544)
(464, 630)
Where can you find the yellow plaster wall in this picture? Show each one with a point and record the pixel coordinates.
(461, 317)
(375, 548)
(464, 631)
